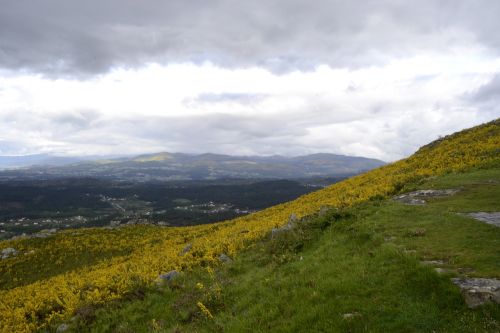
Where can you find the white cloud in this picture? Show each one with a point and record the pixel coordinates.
(378, 111)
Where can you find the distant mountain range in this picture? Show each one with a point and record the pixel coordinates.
(29, 160)
(178, 166)
(12, 162)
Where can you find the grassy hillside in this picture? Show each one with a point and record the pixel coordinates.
(81, 268)
(356, 270)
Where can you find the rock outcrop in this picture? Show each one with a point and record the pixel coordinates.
(224, 258)
(169, 276)
(292, 220)
(490, 218)
(418, 197)
(478, 291)
(186, 249)
(62, 328)
(8, 252)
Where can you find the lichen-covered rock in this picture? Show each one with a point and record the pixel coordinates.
(292, 220)
(186, 249)
(477, 291)
(225, 258)
(350, 316)
(432, 262)
(8, 252)
(62, 328)
(490, 218)
(169, 276)
(417, 197)
(440, 270)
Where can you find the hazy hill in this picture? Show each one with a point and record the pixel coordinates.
(26, 161)
(177, 166)
(30, 160)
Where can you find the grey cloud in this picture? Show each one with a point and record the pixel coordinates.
(486, 99)
(90, 37)
(219, 133)
(211, 130)
(266, 134)
(80, 119)
(488, 92)
(388, 134)
(48, 125)
(227, 97)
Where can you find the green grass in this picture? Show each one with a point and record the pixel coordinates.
(365, 261)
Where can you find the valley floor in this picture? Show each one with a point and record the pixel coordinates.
(382, 266)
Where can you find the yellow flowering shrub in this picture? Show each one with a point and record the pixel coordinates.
(121, 259)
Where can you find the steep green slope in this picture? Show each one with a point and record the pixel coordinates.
(356, 270)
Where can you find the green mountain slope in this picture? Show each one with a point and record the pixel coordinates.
(363, 269)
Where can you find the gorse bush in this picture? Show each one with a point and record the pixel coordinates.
(51, 279)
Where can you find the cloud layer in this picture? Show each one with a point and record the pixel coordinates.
(373, 78)
(88, 37)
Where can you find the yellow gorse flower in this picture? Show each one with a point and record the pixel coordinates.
(204, 310)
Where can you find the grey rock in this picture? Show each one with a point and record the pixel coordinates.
(163, 224)
(292, 220)
(465, 270)
(45, 233)
(349, 316)
(417, 197)
(478, 291)
(432, 262)
(169, 276)
(186, 249)
(225, 258)
(48, 231)
(8, 252)
(114, 223)
(440, 270)
(22, 236)
(490, 218)
(62, 328)
(433, 193)
(415, 202)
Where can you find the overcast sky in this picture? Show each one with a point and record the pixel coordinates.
(370, 78)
